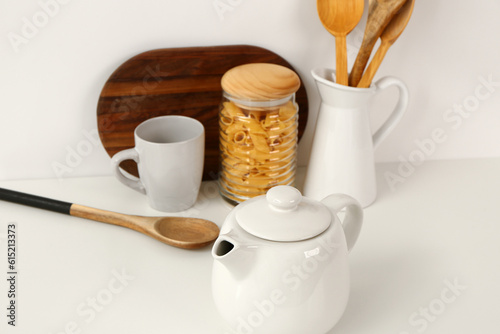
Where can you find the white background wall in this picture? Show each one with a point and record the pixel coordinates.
(51, 81)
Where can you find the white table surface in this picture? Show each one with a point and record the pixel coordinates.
(439, 228)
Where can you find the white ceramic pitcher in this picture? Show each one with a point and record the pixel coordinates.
(342, 159)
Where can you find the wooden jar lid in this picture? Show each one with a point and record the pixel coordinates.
(260, 81)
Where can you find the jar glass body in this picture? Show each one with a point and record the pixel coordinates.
(258, 146)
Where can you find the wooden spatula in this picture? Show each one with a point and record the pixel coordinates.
(379, 15)
(391, 33)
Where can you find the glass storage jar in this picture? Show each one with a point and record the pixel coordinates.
(258, 123)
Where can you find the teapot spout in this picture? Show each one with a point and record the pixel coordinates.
(222, 248)
(236, 258)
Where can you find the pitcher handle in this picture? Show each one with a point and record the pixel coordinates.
(353, 219)
(398, 111)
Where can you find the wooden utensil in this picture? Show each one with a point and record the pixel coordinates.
(182, 232)
(391, 33)
(340, 17)
(380, 14)
(178, 81)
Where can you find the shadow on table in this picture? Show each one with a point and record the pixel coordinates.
(378, 289)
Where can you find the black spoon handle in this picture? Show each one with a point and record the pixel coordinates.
(74, 210)
(35, 201)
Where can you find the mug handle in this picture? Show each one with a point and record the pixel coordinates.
(132, 182)
(353, 219)
(398, 111)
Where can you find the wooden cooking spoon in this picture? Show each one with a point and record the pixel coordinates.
(380, 14)
(340, 17)
(391, 33)
(180, 232)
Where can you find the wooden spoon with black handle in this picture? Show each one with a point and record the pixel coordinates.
(182, 232)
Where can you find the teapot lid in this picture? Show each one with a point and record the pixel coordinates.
(283, 215)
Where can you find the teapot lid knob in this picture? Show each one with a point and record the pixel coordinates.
(283, 198)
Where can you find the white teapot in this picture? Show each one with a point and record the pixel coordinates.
(280, 262)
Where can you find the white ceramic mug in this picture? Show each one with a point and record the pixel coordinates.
(169, 152)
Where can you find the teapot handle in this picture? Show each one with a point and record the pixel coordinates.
(353, 219)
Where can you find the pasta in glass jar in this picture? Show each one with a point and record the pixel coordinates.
(258, 122)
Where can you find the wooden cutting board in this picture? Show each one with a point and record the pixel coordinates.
(177, 81)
